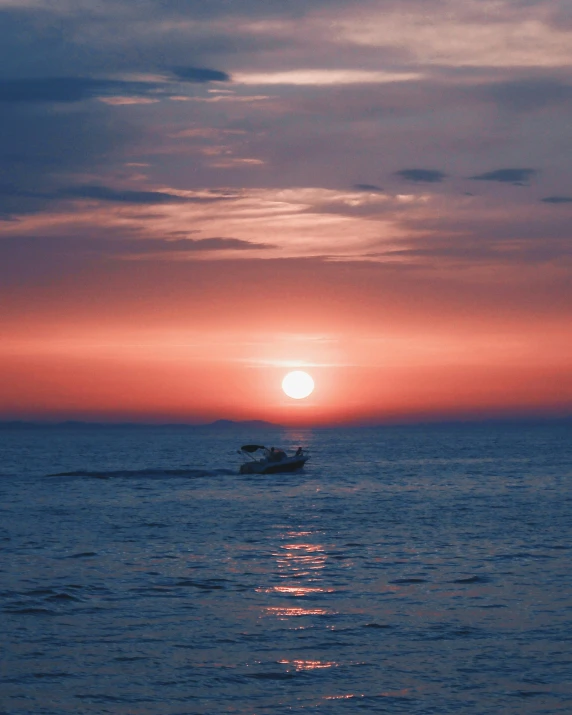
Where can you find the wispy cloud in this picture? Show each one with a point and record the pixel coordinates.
(518, 177)
(76, 89)
(406, 230)
(557, 200)
(422, 176)
(325, 77)
(199, 75)
(126, 101)
(62, 89)
(506, 34)
(105, 193)
(368, 187)
(230, 98)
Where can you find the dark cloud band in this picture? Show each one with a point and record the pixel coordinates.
(557, 200)
(368, 187)
(199, 75)
(77, 89)
(105, 193)
(519, 177)
(422, 176)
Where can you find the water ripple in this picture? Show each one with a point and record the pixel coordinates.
(429, 575)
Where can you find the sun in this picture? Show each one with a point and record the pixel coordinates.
(298, 384)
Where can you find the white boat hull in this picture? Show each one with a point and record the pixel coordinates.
(265, 466)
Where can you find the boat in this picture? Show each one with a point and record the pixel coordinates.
(261, 460)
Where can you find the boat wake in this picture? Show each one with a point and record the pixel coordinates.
(188, 473)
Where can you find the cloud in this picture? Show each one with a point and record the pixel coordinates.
(227, 98)
(98, 192)
(419, 231)
(429, 176)
(105, 193)
(368, 187)
(325, 77)
(518, 177)
(153, 248)
(518, 33)
(123, 101)
(299, 222)
(199, 75)
(74, 247)
(67, 89)
(557, 200)
(77, 89)
(313, 131)
(221, 244)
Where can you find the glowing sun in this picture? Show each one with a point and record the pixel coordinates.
(298, 384)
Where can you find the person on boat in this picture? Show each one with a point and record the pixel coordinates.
(299, 452)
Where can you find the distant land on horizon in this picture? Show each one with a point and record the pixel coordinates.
(225, 424)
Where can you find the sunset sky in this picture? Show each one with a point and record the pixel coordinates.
(198, 195)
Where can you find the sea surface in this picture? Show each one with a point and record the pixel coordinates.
(405, 570)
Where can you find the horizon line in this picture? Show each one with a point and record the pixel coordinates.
(228, 423)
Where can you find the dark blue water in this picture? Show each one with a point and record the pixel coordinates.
(406, 570)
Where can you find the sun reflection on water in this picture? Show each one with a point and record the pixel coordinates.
(309, 664)
(342, 697)
(295, 560)
(282, 611)
(295, 590)
(404, 693)
(298, 567)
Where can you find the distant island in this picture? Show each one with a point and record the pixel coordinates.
(259, 425)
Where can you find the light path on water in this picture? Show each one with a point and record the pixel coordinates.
(406, 570)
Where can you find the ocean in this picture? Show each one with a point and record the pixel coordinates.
(408, 570)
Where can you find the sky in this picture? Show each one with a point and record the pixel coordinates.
(197, 197)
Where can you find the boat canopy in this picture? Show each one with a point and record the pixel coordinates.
(252, 447)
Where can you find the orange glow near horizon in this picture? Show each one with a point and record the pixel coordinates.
(189, 376)
(194, 336)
